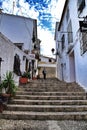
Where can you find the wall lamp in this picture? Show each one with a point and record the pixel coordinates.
(53, 50)
(57, 52)
(1, 59)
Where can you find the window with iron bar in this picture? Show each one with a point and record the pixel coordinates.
(63, 41)
(80, 5)
(70, 34)
(84, 43)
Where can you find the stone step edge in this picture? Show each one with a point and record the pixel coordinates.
(26, 100)
(51, 102)
(50, 92)
(43, 115)
(50, 95)
(45, 97)
(48, 108)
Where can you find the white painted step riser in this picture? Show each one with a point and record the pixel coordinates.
(50, 97)
(51, 102)
(52, 90)
(48, 108)
(51, 93)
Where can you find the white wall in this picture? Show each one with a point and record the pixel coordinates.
(79, 60)
(81, 66)
(18, 29)
(7, 53)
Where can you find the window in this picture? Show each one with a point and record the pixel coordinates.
(26, 65)
(19, 45)
(17, 65)
(63, 41)
(67, 14)
(84, 43)
(70, 34)
(81, 5)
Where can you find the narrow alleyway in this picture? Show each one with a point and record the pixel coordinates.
(46, 105)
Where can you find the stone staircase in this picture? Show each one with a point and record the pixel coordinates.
(48, 99)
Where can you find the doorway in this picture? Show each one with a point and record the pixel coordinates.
(62, 72)
(72, 67)
(26, 65)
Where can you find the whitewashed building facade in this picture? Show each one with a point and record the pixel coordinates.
(71, 43)
(22, 35)
(8, 51)
(18, 29)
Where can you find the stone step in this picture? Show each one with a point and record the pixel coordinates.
(52, 90)
(50, 85)
(42, 97)
(47, 108)
(49, 102)
(34, 84)
(50, 93)
(17, 115)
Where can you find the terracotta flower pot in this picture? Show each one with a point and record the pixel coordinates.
(34, 78)
(6, 95)
(23, 80)
(1, 107)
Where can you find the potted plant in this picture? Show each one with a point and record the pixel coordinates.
(24, 78)
(8, 86)
(7, 90)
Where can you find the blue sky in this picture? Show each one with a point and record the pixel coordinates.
(47, 12)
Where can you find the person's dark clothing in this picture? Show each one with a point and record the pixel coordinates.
(44, 74)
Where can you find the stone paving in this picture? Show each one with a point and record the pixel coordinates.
(42, 125)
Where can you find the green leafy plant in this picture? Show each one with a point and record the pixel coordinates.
(26, 75)
(9, 84)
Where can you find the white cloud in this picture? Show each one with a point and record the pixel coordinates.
(7, 6)
(24, 8)
(55, 8)
(47, 39)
